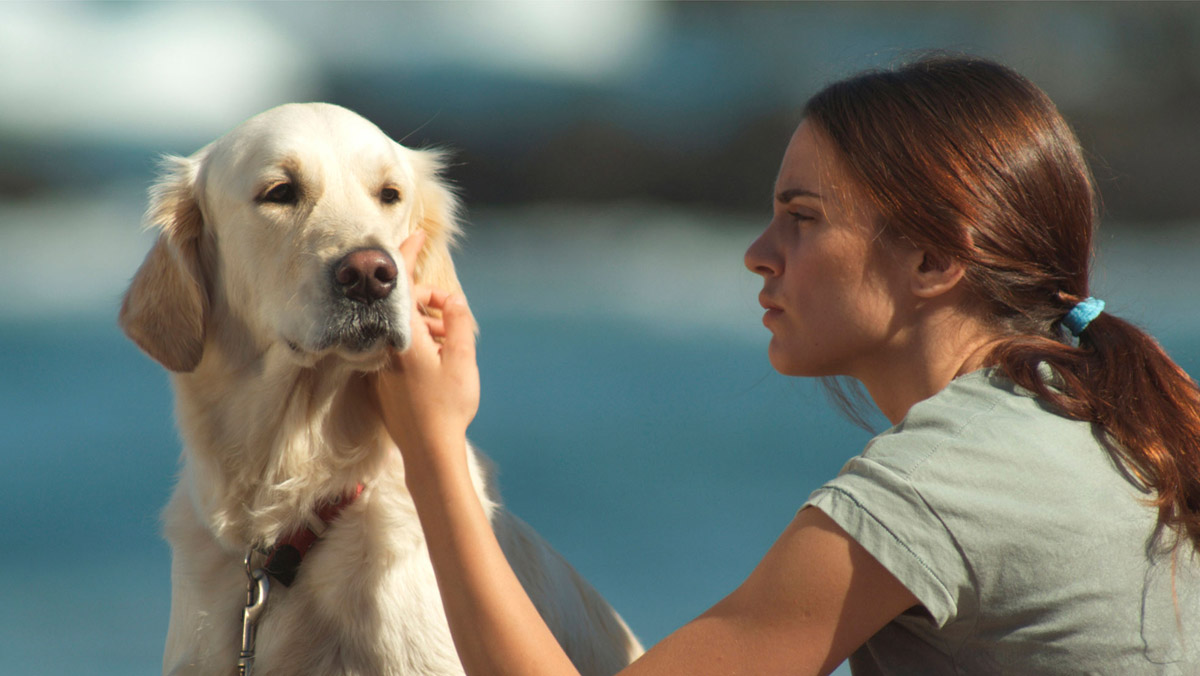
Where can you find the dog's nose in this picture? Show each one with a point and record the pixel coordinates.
(366, 275)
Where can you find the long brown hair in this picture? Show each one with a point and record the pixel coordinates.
(965, 158)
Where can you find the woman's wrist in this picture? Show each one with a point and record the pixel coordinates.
(436, 462)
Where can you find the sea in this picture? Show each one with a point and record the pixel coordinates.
(627, 400)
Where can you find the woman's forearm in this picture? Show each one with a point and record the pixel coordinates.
(496, 628)
(427, 400)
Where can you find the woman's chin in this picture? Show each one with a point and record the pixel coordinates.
(781, 360)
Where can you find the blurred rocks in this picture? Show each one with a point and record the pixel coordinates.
(701, 114)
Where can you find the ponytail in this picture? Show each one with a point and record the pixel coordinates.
(1121, 379)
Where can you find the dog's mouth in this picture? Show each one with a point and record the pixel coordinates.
(359, 334)
(358, 328)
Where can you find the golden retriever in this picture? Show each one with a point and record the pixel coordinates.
(270, 294)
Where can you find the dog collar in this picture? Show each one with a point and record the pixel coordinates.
(286, 555)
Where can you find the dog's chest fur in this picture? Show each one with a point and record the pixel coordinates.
(265, 442)
(364, 602)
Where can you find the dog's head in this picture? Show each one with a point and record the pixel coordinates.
(289, 226)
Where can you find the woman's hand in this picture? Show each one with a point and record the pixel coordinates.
(429, 393)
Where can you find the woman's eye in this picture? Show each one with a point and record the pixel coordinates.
(389, 195)
(284, 193)
(798, 216)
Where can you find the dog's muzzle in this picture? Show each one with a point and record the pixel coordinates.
(364, 309)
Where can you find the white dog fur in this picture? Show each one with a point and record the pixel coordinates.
(268, 366)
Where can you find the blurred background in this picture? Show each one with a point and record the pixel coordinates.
(615, 158)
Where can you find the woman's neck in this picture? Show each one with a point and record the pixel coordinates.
(934, 353)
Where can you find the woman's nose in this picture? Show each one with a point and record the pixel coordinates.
(758, 258)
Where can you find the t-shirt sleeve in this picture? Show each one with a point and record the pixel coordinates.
(881, 509)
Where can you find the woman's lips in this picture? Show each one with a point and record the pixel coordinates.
(772, 310)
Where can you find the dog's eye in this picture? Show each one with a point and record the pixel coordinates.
(284, 193)
(389, 195)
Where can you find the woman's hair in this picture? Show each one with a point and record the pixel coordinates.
(968, 160)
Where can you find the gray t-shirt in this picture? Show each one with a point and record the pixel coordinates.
(1030, 549)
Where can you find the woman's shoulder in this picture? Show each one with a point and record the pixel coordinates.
(985, 454)
(980, 418)
(971, 496)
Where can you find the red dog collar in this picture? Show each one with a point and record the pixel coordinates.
(285, 557)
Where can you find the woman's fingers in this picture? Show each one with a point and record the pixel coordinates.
(459, 341)
(453, 315)
(430, 302)
(441, 312)
(436, 327)
(410, 248)
(425, 297)
(429, 298)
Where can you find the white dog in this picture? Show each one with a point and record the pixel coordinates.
(271, 291)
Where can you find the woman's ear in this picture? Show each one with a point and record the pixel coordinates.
(935, 274)
(165, 307)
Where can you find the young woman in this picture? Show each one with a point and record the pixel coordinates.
(1036, 507)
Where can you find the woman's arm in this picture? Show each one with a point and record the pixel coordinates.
(814, 598)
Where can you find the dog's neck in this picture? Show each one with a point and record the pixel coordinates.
(274, 437)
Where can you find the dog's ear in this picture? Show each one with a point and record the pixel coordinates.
(436, 211)
(165, 306)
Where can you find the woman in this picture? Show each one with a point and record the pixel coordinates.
(1035, 508)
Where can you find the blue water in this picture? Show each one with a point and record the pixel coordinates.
(626, 398)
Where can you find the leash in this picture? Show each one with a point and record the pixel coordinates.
(282, 563)
(257, 588)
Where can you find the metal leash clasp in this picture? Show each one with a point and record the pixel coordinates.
(257, 587)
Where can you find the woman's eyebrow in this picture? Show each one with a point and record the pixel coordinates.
(792, 193)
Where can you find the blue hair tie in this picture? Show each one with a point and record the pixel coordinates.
(1082, 314)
